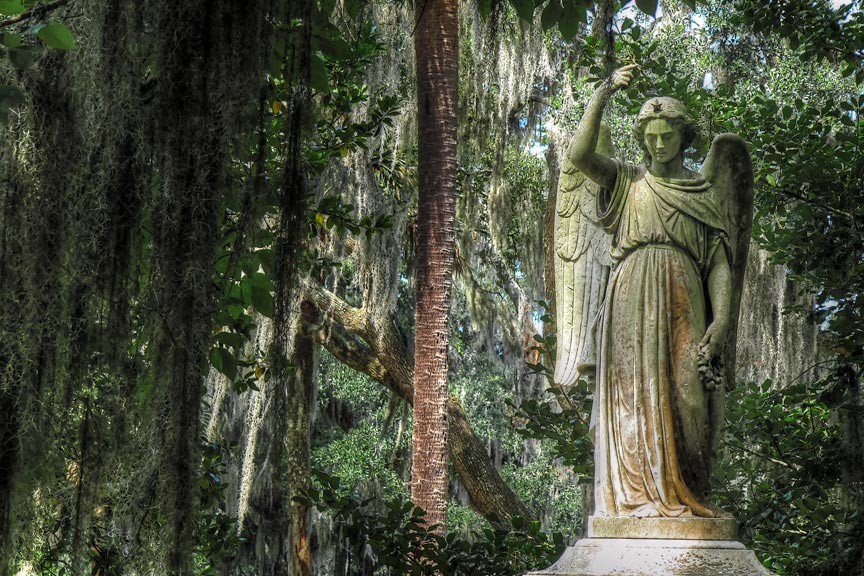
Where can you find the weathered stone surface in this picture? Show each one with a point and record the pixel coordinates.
(654, 557)
(656, 336)
(663, 528)
(648, 337)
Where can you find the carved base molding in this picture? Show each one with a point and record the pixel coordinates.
(655, 557)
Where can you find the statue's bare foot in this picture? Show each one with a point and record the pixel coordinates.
(719, 512)
(646, 511)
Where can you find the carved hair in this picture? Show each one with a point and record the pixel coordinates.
(671, 110)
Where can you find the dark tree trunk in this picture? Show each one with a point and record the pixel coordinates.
(288, 549)
(8, 462)
(436, 47)
(437, 56)
(301, 401)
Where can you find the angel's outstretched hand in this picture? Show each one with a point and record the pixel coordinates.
(622, 77)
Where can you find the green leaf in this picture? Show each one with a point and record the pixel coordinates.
(524, 9)
(327, 6)
(262, 300)
(261, 280)
(266, 259)
(245, 295)
(318, 71)
(223, 361)
(57, 35)
(353, 7)
(249, 264)
(10, 96)
(551, 15)
(572, 15)
(11, 40)
(12, 7)
(647, 6)
(22, 57)
(233, 339)
(690, 4)
(332, 48)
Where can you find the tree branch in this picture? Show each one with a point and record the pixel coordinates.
(816, 203)
(36, 11)
(381, 353)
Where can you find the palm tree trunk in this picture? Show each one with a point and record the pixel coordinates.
(436, 52)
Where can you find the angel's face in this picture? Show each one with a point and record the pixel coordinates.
(662, 140)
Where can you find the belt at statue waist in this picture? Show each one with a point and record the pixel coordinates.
(660, 245)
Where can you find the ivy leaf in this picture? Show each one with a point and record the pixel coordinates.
(647, 6)
(524, 8)
(56, 35)
(12, 7)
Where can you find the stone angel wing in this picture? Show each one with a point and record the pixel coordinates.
(730, 171)
(582, 264)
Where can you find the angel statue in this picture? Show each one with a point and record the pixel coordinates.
(649, 269)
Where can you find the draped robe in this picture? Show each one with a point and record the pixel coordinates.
(652, 430)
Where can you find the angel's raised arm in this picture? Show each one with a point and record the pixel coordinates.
(583, 148)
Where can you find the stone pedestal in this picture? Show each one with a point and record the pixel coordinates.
(657, 547)
(663, 528)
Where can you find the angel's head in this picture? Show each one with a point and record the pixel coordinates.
(664, 129)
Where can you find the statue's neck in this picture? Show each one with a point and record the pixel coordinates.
(672, 169)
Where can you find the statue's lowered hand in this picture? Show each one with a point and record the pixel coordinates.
(709, 363)
(712, 343)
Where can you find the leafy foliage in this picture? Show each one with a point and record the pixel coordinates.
(30, 29)
(567, 15)
(782, 478)
(563, 419)
(217, 536)
(551, 491)
(819, 29)
(402, 544)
